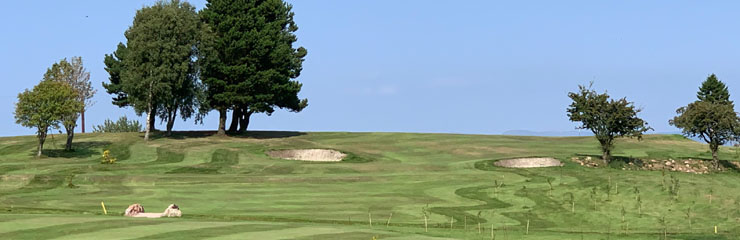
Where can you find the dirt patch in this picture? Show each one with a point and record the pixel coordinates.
(313, 155)
(528, 163)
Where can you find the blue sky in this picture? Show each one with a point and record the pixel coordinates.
(425, 66)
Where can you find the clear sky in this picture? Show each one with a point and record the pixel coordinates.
(425, 66)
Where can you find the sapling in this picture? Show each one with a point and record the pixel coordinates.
(688, 216)
(549, 182)
(388, 223)
(637, 192)
(663, 180)
(663, 222)
(593, 196)
(675, 186)
(370, 219)
(424, 211)
(711, 192)
(639, 205)
(478, 219)
(572, 200)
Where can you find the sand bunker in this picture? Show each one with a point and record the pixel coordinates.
(528, 163)
(314, 155)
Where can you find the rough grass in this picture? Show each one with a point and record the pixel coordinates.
(227, 187)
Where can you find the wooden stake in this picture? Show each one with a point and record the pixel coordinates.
(527, 233)
(370, 218)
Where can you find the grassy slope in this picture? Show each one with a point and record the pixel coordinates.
(228, 188)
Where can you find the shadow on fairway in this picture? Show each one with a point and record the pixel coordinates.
(203, 134)
(268, 134)
(79, 150)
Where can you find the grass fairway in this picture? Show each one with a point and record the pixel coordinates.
(228, 188)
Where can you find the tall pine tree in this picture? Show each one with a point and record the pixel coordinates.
(712, 117)
(255, 64)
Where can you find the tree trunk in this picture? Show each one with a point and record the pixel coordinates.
(244, 122)
(715, 156)
(171, 121)
(221, 122)
(606, 152)
(235, 117)
(150, 121)
(42, 138)
(70, 136)
(82, 115)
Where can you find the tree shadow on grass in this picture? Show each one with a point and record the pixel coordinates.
(729, 165)
(79, 150)
(180, 135)
(268, 134)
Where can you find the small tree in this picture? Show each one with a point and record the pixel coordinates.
(712, 117)
(45, 107)
(606, 118)
(74, 74)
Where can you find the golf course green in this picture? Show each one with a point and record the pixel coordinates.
(386, 187)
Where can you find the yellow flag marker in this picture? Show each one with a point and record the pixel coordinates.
(106, 212)
(715, 229)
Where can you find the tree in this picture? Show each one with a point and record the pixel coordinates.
(712, 117)
(157, 70)
(45, 107)
(74, 74)
(255, 62)
(606, 118)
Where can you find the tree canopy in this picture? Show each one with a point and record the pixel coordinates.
(255, 61)
(46, 106)
(74, 74)
(606, 118)
(712, 117)
(157, 70)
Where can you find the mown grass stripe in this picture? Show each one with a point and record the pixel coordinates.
(215, 231)
(41, 222)
(155, 226)
(73, 228)
(284, 233)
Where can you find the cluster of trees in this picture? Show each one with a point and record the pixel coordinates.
(57, 101)
(711, 117)
(236, 56)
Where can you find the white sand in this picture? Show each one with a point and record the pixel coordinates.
(314, 155)
(528, 163)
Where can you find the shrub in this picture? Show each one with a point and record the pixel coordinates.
(107, 159)
(122, 125)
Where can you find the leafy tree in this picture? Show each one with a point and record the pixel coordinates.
(255, 61)
(156, 71)
(606, 118)
(121, 125)
(74, 74)
(712, 117)
(46, 106)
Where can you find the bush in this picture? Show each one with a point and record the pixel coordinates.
(107, 159)
(122, 125)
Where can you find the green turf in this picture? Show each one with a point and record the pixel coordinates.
(228, 188)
